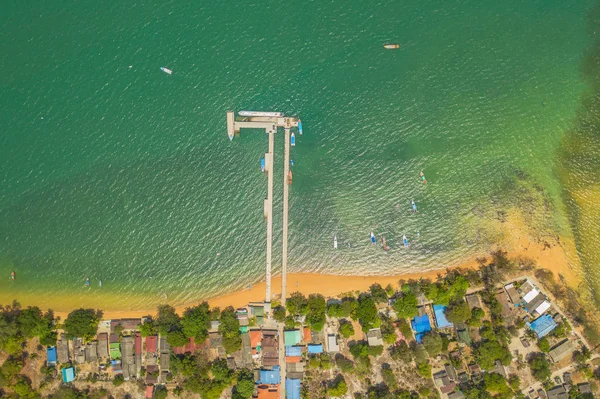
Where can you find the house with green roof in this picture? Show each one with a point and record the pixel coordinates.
(115, 350)
(292, 337)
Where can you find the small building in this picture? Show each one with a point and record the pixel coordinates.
(270, 348)
(473, 301)
(420, 325)
(463, 336)
(543, 325)
(441, 379)
(115, 351)
(440, 317)
(374, 337)
(463, 377)
(270, 376)
(255, 338)
(291, 337)
(451, 372)
(561, 351)
(292, 388)
(149, 391)
(535, 303)
(151, 344)
(499, 369)
(508, 310)
(152, 374)
(513, 295)
(126, 324)
(584, 387)
(314, 349)
(267, 391)
(446, 389)
(307, 335)
(165, 358)
(68, 374)
(293, 351)
(91, 352)
(62, 350)
(528, 291)
(456, 395)
(51, 354)
(332, 344)
(102, 345)
(558, 392)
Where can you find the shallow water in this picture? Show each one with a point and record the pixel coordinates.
(113, 170)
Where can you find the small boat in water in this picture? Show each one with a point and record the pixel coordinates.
(166, 70)
(262, 164)
(300, 127)
(391, 46)
(290, 178)
(372, 238)
(334, 242)
(293, 140)
(405, 241)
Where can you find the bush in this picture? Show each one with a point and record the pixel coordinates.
(344, 364)
(405, 305)
(160, 392)
(367, 313)
(388, 376)
(147, 329)
(118, 380)
(346, 329)
(544, 345)
(337, 388)
(279, 313)
(401, 352)
(539, 366)
(196, 322)
(424, 370)
(375, 351)
(405, 329)
(82, 323)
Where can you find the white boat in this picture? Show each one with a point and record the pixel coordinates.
(166, 70)
(334, 242)
(300, 127)
(293, 140)
(260, 113)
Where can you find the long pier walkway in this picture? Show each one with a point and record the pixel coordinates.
(270, 122)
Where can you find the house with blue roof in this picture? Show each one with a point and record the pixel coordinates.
(314, 348)
(51, 353)
(420, 325)
(293, 351)
(270, 376)
(68, 374)
(543, 325)
(292, 388)
(440, 317)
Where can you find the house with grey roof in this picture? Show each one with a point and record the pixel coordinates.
(374, 337)
(561, 351)
(558, 392)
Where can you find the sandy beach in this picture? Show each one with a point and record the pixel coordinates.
(553, 254)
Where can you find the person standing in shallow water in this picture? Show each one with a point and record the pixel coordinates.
(423, 177)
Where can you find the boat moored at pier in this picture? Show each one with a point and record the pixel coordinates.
(261, 113)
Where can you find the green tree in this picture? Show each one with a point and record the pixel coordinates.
(388, 331)
(118, 380)
(544, 344)
(388, 376)
(176, 338)
(458, 312)
(160, 392)
(230, 330)
(496, 383)
(68, 392)
(487, 352)
(167, 319)
(82, 323)
(367, 313)
(220, 371)
(405, 328)
(401, 352)
(346, 329)
(196, 322)
(316, 311)
(349, 305)
(378, 293)
(390, 290)
(432, 341)
(147, 329)
(375, 350)
(539, 366)
(245, 384)
(405, 306)
(515, 382)
(337, 388)
(297, 304)
(279, 313)
(424, 370)
(344, 364)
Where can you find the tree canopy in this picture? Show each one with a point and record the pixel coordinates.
(167, 319)
(196, 322)
(367, 313)
(405, 305)
(338, 388)
(82, 323)
(458, 312)
(316, 311)
(378, 293)
(346, 329)
(432, 341)
(297, 304)
(230, 329)
(540, 368)
(245, 384)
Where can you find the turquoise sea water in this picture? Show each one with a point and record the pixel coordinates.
(113, 170)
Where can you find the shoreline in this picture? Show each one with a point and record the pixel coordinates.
(554, 257)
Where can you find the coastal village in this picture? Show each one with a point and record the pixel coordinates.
(467, 335)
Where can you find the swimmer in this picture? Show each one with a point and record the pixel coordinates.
(418, 234)
(12, 275)
(405, 241)
(372, 238)
(87, 282)
(423, 177)
(414, 206)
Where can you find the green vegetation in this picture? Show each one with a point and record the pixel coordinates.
(315, 316)
(245, 384)
(337, 388)
(82, 323)
(378, 294)
(230, 329)
(118, 380)
(346, 328)
(160, 392)
(17, 325)
(344, 364)
(367, 313)
(196, 322)
(297, 304)
(279, 313)
(405, 305)
(401, 352)
(388, 376)
(544, 345)
(488, 351)
(540, 368)
(147, 329)
(388, 330)
(458, 311)
(432, 341)
(452, 287)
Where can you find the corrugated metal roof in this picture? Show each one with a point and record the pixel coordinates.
(292, 388)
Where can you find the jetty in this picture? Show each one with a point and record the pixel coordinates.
(269, 122)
